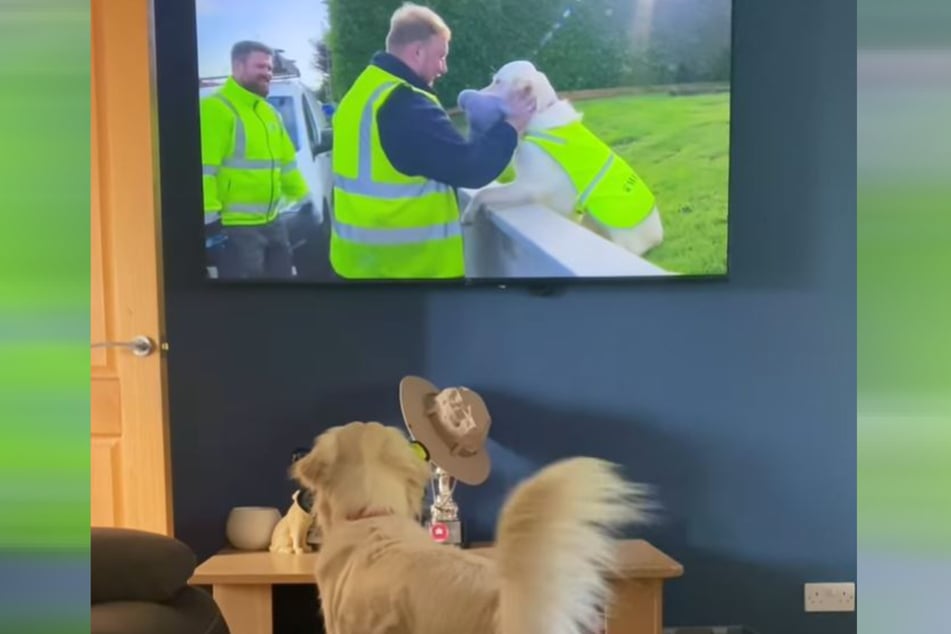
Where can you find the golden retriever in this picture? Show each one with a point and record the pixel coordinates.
(539, 178)
(380, 572)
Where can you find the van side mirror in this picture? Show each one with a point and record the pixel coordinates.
(324, 142)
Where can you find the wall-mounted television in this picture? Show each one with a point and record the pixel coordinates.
(350, 141)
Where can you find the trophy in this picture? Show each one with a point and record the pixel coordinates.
(452, 426)
(444, 524)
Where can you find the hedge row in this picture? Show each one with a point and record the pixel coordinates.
(579, 44)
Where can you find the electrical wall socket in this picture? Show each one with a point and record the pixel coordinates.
(830, 597)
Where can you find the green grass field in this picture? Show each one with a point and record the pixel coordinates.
(679, 145)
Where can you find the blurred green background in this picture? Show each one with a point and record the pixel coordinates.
(904, 312)
(44, 317)
(44, 259)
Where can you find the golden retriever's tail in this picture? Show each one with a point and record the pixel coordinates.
(556, 545)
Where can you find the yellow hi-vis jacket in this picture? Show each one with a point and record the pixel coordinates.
(386, 224)
(248, 159)
(608, 188)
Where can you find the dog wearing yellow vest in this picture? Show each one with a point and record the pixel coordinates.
(560, 164)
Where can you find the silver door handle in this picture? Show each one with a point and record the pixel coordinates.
(141, 345)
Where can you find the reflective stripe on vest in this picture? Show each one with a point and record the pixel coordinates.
(613, 193)
(397, 236)
(430, 243)
(238, 159)
(364, 185)
(583, 198)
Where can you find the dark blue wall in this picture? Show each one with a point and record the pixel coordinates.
(736, 398)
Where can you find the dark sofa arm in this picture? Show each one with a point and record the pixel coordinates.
(132, 565)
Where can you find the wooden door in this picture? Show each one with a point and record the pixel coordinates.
(129, 462)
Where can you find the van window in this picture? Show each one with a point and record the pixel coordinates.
(312, 135)
(320, 116)
(285, 105)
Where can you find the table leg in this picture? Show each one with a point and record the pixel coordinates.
(637, 607)
(247, 608)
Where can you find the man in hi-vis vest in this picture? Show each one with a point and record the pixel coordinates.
(249, 170)
(397, 159)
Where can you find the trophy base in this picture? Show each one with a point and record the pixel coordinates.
(447, 532)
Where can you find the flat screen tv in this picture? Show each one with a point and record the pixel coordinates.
(351, 141)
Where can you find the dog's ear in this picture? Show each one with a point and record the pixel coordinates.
(404, 458)
(307, 471)
(544, 91)
(311, 470)
(419, 472)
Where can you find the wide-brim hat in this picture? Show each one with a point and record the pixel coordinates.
(452, 424)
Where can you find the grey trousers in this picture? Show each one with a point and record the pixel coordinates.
(256, 252)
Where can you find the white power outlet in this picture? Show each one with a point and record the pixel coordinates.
(830, 597)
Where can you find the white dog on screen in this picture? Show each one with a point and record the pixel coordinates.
(561, 165)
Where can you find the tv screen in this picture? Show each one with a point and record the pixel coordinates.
(349, 141)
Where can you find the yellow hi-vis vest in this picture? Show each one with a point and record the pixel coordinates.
(248, 159)
(386, 224)
(608, 188)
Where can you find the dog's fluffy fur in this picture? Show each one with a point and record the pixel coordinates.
(379, 571)
(539, 178)
(290, 533)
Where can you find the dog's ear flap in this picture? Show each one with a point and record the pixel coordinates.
(407, 459)
(545, 92)
(311, 470)
(420, 472)
(544, 83)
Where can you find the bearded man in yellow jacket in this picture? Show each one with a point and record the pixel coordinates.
(249, 169)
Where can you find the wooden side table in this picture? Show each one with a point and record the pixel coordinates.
(241, 585)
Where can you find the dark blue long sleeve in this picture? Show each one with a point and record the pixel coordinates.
(420, 140)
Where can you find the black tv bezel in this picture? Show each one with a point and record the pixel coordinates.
(176, 115)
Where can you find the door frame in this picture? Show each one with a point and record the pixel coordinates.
(125, 207)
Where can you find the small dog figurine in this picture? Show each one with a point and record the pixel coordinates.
(290, 534)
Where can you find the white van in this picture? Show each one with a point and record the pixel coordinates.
(313, 139)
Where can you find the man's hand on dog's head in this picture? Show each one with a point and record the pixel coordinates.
(521, 107)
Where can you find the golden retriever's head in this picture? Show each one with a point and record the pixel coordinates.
(522, 75)
(361, 469)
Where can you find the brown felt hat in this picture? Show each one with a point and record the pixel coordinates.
(452, 424)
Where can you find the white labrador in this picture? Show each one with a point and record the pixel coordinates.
(540, 179)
